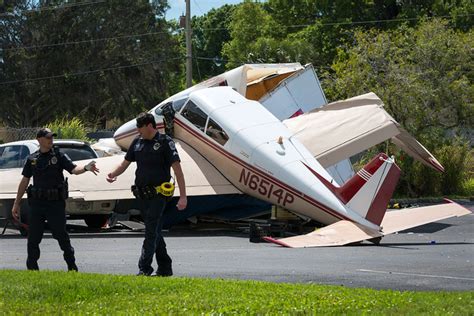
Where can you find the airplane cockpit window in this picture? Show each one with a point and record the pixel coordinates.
(216, 132)
(178, 104)
(195, 115)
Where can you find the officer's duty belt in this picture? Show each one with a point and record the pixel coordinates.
(53, 194)
(149, 192)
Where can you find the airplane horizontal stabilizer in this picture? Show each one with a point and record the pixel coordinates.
(337, 234)
(346, 232)
(399, 220)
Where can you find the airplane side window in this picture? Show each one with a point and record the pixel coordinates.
(178, 104)
(216, 132)
(195, 115)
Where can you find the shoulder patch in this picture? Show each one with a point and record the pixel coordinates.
(172, 145)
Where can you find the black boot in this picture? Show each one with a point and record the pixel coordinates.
(72, 267)
(164, 271)
(145, 272)
(30, 265)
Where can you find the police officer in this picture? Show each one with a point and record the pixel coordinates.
(46, 197)
(154, 154)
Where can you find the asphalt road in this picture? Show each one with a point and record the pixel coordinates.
(436, 256)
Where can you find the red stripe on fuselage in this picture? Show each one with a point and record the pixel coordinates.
(257, 171)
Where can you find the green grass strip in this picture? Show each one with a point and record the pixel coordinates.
(63, 293)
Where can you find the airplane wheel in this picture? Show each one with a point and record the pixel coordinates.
(96, 221)
(375, 241)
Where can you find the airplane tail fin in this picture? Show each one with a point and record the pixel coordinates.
(369, 190)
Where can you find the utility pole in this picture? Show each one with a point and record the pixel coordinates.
(189, 53)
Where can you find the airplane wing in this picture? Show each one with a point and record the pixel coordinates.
(201, 179)
(346, 232)
(342, 129)
(399, 220)
(340, 233)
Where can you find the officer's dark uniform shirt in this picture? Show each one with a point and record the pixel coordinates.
(47, 168)
(154, 158)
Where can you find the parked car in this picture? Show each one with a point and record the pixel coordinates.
(14, 154)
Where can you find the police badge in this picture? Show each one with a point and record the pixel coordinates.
(156, 146)
(54, 160)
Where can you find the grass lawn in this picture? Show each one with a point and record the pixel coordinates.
(54, 292)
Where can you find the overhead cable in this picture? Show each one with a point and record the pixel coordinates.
(90, 41)
(50, 8)
(87, 72)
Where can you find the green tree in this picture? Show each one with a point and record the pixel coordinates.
(249, 23)
(424, 76)
(119, 58)
(210, 32)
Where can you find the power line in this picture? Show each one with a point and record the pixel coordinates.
(83, 41)
(87, 72)
(196, 3)
(65, 6)
(219, 29)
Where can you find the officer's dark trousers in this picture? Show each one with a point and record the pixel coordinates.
(53, 212)
(152, 213)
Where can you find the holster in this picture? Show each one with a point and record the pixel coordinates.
(147, 192)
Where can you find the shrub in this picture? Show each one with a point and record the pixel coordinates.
(468, 187)
(70, 129)
(418, 180)
(455, 159)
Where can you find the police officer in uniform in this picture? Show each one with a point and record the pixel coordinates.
(47, 196)
(154, 154)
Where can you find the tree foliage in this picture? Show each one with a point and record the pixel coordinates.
(210, 32)
(424, 76)
(313, 30)
(98, 61)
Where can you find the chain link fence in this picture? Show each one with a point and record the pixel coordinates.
(10, 134)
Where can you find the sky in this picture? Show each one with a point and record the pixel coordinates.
(198, 7)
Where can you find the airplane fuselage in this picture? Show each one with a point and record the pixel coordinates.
(255, 152)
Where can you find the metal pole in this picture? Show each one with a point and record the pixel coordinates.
(189, 54)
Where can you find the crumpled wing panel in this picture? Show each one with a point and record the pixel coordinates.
(411, 146)
(200, 176)
(399, 220)
(346, 232)
(342, 129)
(337, 234)
(201, 179)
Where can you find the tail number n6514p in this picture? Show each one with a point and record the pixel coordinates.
(265, 188)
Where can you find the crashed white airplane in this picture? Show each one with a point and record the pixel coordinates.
(277, 149)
